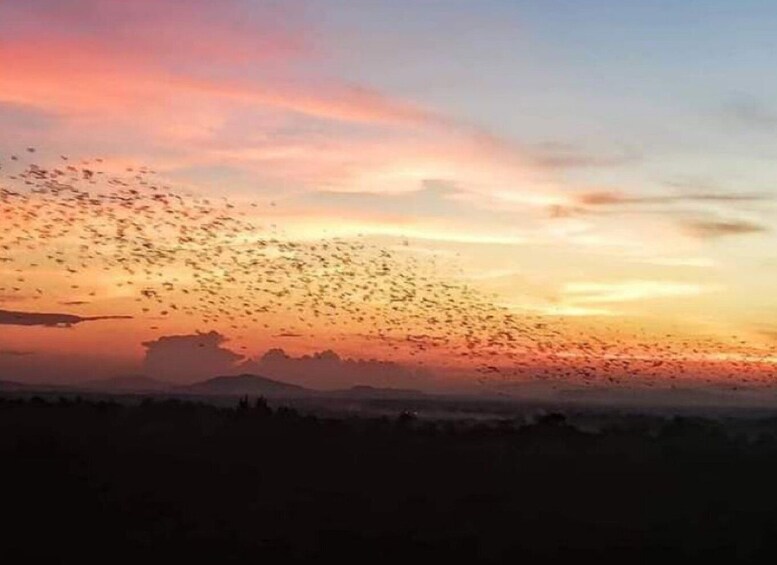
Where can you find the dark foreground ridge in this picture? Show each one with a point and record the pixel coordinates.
(175, 481)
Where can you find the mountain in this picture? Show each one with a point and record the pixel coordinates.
(244, 384)
(12, 386)
(127, 383)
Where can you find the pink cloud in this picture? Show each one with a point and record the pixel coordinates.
(168, 31)
(110, 56)
(230, 84)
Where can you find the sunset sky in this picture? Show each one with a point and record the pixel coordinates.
(609, 165)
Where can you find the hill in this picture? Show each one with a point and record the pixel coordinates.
(12, 386)
(244, 384)
(126, 383)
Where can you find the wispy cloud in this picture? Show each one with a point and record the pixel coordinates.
(615, 198)
(15, 318)
(747, 111)
(711, 229)
(567, 156)
(14, 353)
(585, 292)
(251, 98)
(694, 262)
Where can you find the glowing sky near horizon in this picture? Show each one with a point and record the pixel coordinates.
(608, 161)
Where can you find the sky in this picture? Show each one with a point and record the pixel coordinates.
(607, 165)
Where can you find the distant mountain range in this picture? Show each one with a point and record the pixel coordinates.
(12, 386)
(226, 385)
(127, 383)
(256, 385)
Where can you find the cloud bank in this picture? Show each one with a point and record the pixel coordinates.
(193, 357)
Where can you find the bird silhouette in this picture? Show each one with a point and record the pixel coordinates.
(212, 261)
